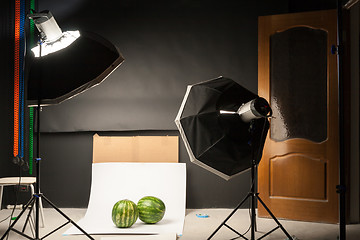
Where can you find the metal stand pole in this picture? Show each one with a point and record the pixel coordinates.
(341, 188)
(35, 199)
(254, 196)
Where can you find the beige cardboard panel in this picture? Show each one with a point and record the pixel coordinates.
(135, 149)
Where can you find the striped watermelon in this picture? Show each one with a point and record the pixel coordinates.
(124, 213)
(151, 209)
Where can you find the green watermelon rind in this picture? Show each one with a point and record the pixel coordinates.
(151, 209)
(124, 213)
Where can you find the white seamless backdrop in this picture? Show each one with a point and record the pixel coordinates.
(112, 182)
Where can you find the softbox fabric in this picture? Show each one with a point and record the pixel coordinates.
(221, 143)
(70, 71)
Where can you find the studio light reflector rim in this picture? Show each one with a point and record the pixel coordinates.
(62, 75)
(45, 48)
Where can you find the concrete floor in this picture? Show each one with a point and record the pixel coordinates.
(196, 228)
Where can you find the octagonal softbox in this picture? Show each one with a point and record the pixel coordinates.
(221, 143)
(61, 75)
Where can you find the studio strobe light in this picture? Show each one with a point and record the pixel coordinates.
(61, 66)
(224, 127)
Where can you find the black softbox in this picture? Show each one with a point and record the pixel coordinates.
(221, 143)
(66, 73)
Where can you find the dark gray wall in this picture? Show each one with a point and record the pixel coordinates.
(167, 45)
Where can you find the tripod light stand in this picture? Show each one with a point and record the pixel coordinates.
(65, 64)
(223, 127)
(253, 196)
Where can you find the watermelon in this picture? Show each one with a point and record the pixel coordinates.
(151, 209)
(124, 213)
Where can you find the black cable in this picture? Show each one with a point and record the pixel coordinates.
(250, 223)
(4, 219)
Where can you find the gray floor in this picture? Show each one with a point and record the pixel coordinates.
(199, 228)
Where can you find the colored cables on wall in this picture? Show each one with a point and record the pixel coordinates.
(31, 140)
(16, 77)
(19, 83)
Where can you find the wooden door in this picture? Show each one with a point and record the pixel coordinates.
(298, 173)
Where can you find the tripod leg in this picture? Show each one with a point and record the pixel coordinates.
(28, 217)
(41, 209)
(273, 216)
(232, 213)
(18, 217)
(65, 216)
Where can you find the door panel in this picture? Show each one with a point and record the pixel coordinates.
(298, 84)
(309, 172)
(298, 173)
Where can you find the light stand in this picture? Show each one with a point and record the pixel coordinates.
(339, 50)
(223, 125)
(253, 195)
(341, 188)
(81, 62)
(35, 199)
